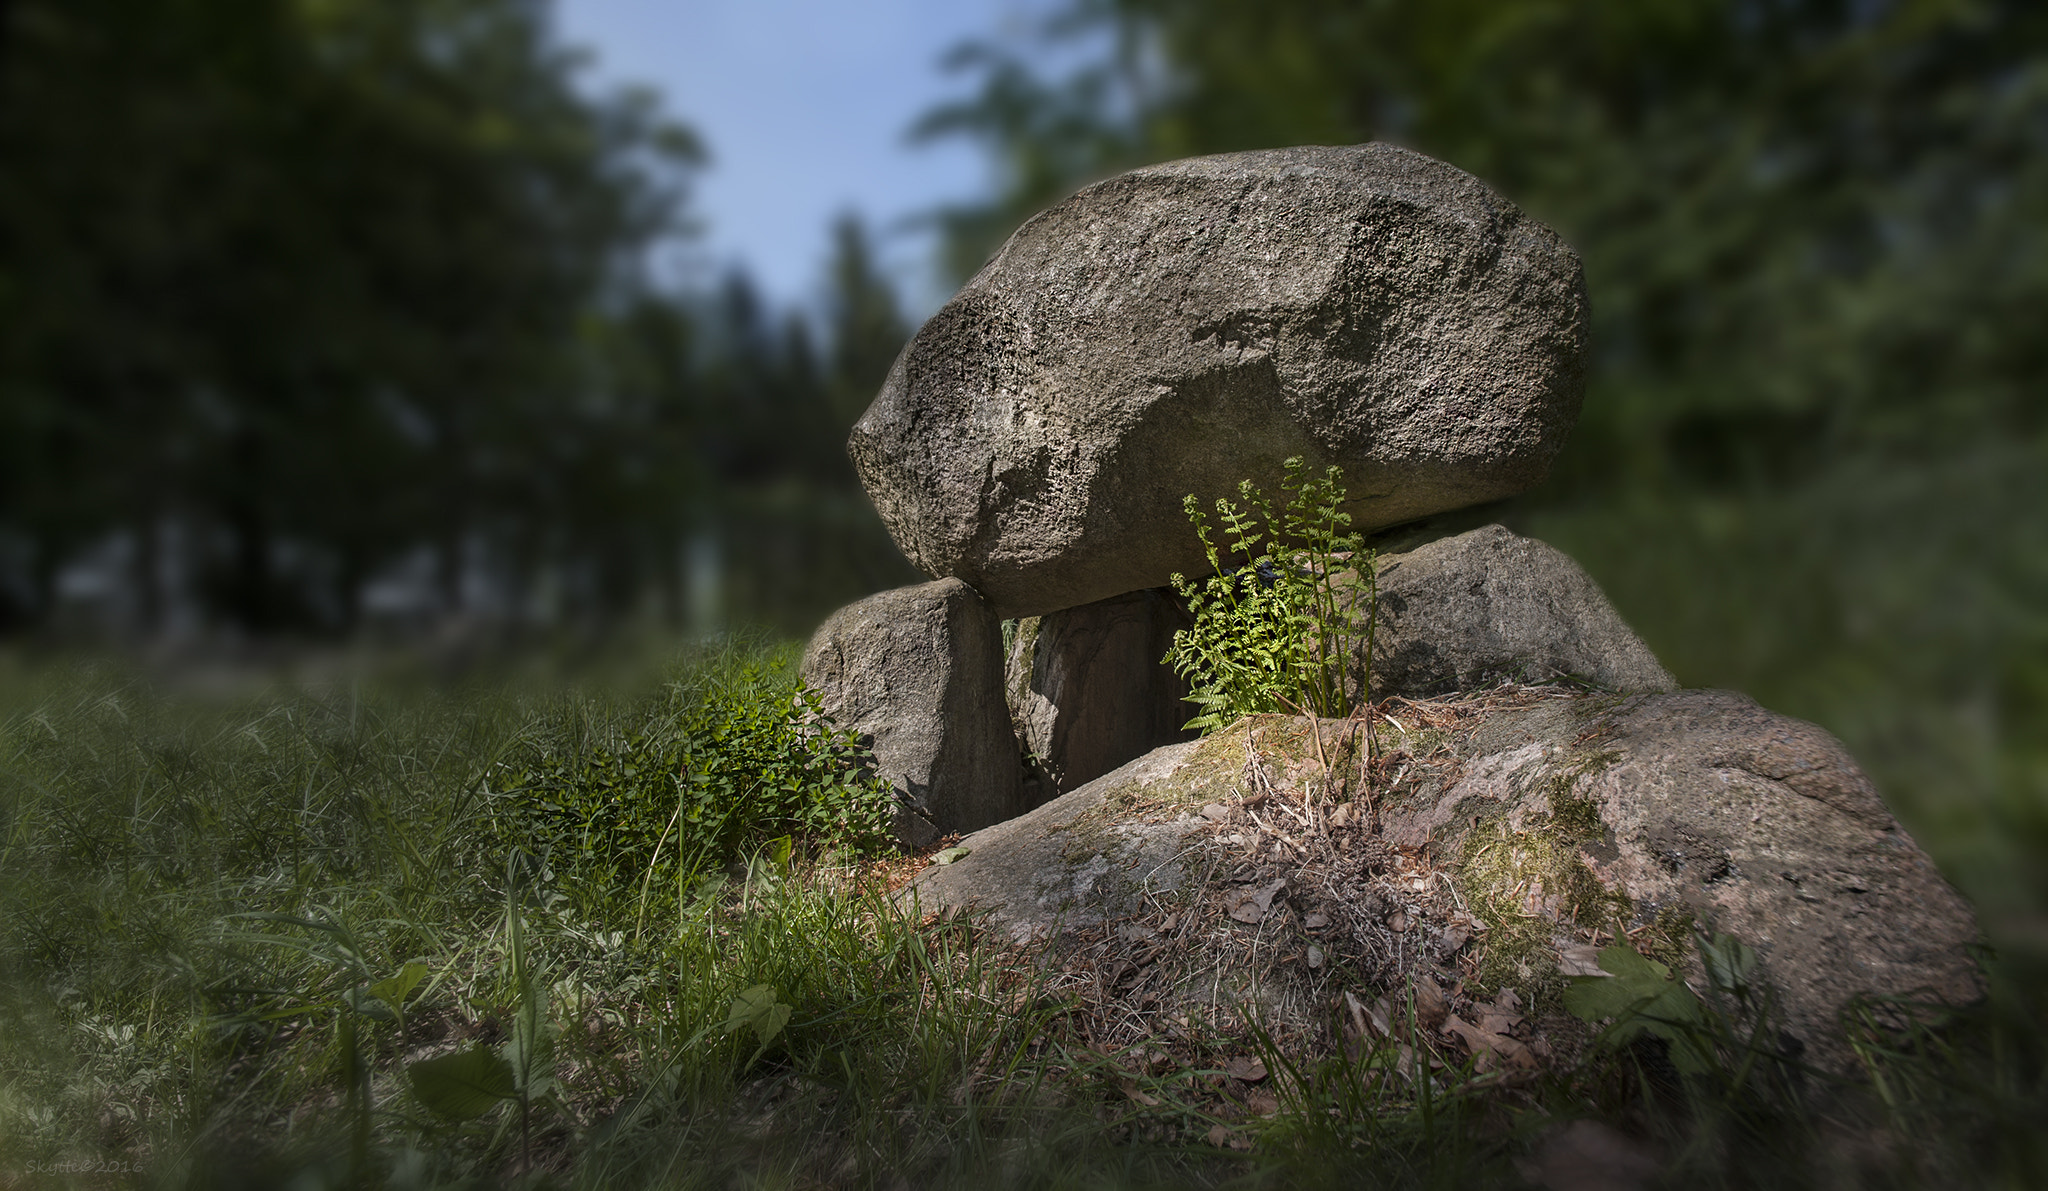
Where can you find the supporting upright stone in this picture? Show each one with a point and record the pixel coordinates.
(1471, 610)
(1088, 690)
(919, 671)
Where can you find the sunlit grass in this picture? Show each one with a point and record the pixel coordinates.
(234, 928)
(201, 902)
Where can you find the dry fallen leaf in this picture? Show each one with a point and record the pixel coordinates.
(1430, 1003)
(1370, 1021)
(1315, 957)
(1250, 905)
(1357, 1009)
(1130, 1089)
(1579, 959)
(1248, 1068)
(1488, 1048)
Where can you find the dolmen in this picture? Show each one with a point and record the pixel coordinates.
(1175, 330)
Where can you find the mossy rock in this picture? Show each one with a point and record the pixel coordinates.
(1489, 844)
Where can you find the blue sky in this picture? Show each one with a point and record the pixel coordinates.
(804, 105)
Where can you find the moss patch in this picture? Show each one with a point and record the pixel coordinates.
(1213, 772)
(1668, 937)
(1528, 884)
(1411, 737)
(1524, 885)
(1574, 817)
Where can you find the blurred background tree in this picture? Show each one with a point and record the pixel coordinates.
(295, 294)
(1813, 462)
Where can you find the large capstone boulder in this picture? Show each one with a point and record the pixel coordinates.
(1468, 611)
(1176, 329)
(918, 671)
(1089, 689)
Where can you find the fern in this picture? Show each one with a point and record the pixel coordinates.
(1274, 628)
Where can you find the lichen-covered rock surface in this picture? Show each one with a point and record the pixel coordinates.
(1476, 860)
(1182, 327)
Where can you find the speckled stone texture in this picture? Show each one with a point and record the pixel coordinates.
(1698, 804)
(1753, 823)
(1465, 612)
(919, 671)
(1179, 328)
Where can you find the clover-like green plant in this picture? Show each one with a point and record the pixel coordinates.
(1291, 607)
(1727, 1036)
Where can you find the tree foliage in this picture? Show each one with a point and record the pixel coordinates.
(295, 293)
